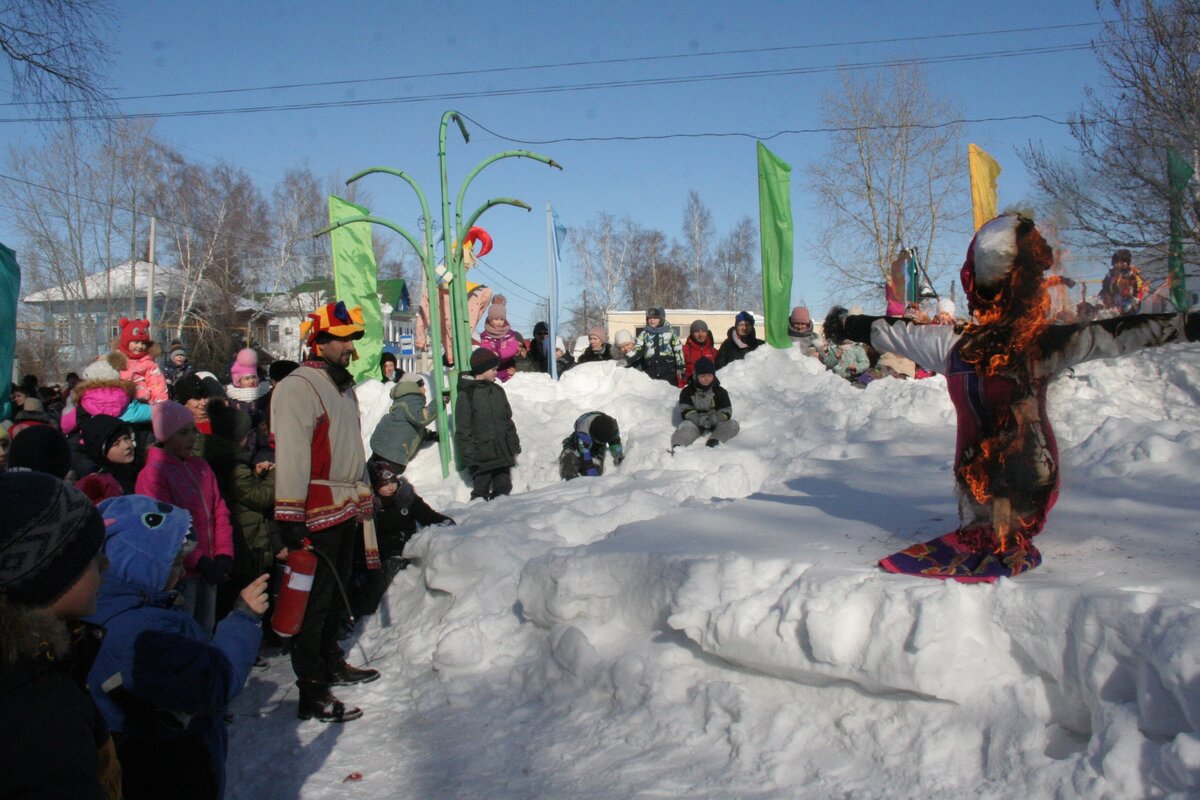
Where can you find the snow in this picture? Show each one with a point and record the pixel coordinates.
(712, 624)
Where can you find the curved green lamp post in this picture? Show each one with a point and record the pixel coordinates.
(460, 326)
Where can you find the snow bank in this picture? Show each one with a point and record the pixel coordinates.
(712, 624)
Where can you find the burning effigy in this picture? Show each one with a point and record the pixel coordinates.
(997, 368)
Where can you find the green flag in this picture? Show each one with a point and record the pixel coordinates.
(10, 292)
(1179, 173)
(354, 283)
(775, 232)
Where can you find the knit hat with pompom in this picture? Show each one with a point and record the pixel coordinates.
(245, 364)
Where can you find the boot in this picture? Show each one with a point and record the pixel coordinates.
(713, 442)
(317, 702)
(346, 675)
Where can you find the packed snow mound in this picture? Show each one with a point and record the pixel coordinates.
(713, 624)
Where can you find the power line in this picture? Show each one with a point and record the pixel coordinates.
(577, 87)
(589, 63)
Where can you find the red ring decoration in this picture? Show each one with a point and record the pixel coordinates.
(479, 235)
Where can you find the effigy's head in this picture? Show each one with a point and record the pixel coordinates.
(1002, 276)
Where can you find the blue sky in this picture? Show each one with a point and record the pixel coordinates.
(176, 47)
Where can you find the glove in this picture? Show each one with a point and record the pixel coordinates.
(292, 534)
(618, 453)
(215, 570)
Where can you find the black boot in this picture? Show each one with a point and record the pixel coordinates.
(713, 442)
(317, 702)
(346, 675)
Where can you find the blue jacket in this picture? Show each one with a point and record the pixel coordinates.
(157, 675)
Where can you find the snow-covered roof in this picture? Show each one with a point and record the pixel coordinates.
(114, 282)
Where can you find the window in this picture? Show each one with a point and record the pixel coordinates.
(273, 334)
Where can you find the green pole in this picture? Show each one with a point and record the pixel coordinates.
(435, 322)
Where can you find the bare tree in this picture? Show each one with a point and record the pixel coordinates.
(657, 277)
(736, 276)
(1115, 192)
(214, 223)
(57, 52)
(80, 201)
(602, 261)
(697, 238)
(887, 179)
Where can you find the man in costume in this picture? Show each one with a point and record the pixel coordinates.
(997, 369)
(322, 494)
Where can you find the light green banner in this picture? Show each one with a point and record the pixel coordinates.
(775, 232)
(354, 282)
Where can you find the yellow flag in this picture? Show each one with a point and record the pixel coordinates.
(984, 172)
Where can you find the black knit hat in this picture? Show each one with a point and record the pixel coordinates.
(228, 422)
(1122, 255)
(482, 360)
(40, 448)
(604, 429)
(704, 366)
(49, 534)
(657, 311)
(280, 369)
(698, 325)
(100, 433)
(190, 387)
(383, 471)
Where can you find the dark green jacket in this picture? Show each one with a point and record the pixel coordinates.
(249, 497)
(483, 428)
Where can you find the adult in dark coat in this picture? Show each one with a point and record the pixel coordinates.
(598, 348)
(739, 340)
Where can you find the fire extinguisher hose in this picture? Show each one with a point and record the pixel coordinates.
(338, 579)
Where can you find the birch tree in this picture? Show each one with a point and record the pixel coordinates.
(889, 178)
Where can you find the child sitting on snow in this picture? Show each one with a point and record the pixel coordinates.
(705, 408)
(583, 451)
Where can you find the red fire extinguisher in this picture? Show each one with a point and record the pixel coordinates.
(294, 590)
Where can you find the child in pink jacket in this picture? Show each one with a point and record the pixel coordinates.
(141, 370)
(173, 475)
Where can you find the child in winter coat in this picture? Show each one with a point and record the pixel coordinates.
(583, 451)
(103, 460)
(248, 489)
(399, 435)
(562, 357)
(705, 408)
(699, 345)
(102, 391)
(54, 741)
(484, 431)
(499, 337)
(847, 360)
(159, 681)
(657, 351)
(173, 475)
(739, 340)
(801, 332)
(252, 395)
(140, 368)
(399, 513)
(598, 348)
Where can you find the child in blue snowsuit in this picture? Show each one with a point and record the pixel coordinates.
(159, 681)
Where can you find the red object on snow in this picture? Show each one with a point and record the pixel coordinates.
(292, 601)
(353, 776)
